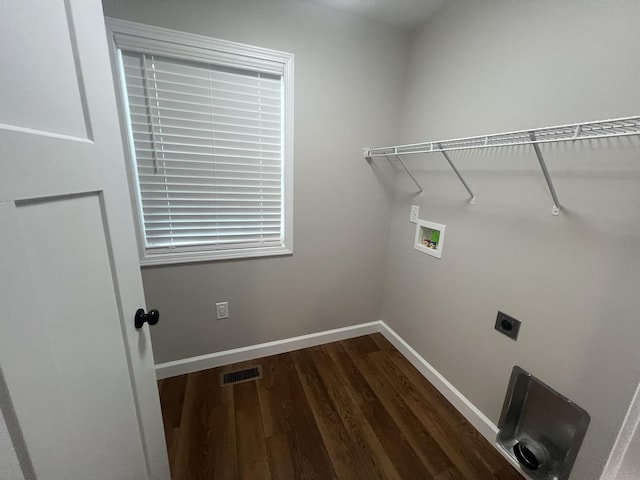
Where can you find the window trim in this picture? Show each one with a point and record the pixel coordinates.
(131, 36)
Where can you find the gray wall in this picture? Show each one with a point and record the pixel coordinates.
(497, 65)
(349, 76)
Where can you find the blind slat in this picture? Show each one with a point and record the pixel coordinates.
(138, 91)
(136, 73)
(220, 244)
(159, 116)
(166, 169)
(215, 118)
(216, 124)
(196, 70)
(217, 153)
(133, 77)
(177, 178)
(196, 139)
(203, 209)
(155, 186)
(216, 108)
(205, 191)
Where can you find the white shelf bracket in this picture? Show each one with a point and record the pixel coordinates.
(578, 132)
(368, 157)
(409, 172)
(472, 200)
(555, 210)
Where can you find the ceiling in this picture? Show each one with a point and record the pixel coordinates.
(404, 14)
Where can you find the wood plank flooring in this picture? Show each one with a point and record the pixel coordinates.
(355, 409)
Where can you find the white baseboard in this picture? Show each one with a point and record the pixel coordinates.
(218, 359)
(473, 415)
(451, 393)
(485, 426)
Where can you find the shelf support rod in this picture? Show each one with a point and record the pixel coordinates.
(555, 210)
(578, 132)
(472, 200)
(409, 172)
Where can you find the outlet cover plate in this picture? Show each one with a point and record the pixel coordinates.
(222, 310)
(507, 325)
(415, 214)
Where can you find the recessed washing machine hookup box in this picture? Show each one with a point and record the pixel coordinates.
(540, 428)
(429, 238)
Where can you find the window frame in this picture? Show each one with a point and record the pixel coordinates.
(136, 37)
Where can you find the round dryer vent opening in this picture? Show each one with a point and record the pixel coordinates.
(530, 455)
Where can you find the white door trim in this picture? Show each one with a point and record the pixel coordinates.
(73, 363)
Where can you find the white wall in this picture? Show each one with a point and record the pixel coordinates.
(349, 75)
(499, 65)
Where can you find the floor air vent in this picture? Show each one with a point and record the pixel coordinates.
(239, 376)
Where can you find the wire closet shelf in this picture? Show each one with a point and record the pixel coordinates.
(578, 131)
(620, 127)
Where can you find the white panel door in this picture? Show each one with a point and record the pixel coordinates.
(78, 398)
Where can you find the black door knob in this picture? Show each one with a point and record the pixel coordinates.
(151, 318)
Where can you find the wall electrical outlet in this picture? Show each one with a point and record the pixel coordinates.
(507, 325)
(415, 213)
(222, 310)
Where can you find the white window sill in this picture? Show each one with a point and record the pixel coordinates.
(212, 256)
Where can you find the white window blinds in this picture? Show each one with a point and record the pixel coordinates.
(208, 148)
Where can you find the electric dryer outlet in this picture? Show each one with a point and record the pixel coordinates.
(222, 310)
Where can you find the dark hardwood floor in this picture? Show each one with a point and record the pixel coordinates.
(355, 409)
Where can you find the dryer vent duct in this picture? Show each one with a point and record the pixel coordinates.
(540, 428)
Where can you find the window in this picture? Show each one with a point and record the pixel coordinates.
(209, 131)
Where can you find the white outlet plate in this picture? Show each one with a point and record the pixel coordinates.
(222, 310)
(415, 214)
